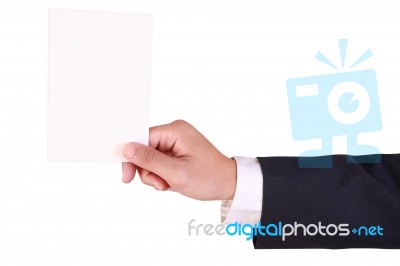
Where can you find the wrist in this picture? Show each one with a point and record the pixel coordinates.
(230, 176)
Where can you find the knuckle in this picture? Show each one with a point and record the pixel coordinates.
(144, 176)
(148, 157)
(180, 122)
(181, 127)
(145, 180)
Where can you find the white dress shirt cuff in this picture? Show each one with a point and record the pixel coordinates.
(246, 205)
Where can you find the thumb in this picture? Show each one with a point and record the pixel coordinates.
(150, 159)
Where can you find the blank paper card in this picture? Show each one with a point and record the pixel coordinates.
(99, 84)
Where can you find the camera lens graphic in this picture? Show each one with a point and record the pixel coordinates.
(348, 103)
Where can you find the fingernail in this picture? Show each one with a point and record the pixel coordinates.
(123, 173)
(129, 151)
(158, 188)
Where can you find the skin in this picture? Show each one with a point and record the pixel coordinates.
(181, 159)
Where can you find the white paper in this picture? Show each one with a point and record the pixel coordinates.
(99, 84)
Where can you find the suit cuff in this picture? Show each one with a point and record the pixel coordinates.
(246, 205)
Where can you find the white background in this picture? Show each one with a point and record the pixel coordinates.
(221, 65)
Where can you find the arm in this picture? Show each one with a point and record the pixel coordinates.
(179, 158)
(360, 195)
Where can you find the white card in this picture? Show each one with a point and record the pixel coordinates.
(99, 84)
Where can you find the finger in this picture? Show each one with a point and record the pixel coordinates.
(151, 179)
(128, 172)
(165, 138)
(162, 138)
(151, 159)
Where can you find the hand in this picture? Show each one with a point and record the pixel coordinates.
(181, 159)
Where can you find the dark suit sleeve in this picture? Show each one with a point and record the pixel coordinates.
(358, 194)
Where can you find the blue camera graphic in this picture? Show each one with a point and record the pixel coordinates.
(344, 103)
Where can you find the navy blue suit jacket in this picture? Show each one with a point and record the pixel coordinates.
(361, 195)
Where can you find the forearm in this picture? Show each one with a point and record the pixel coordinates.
(348, 193)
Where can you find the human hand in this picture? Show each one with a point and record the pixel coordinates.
(180, 158)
